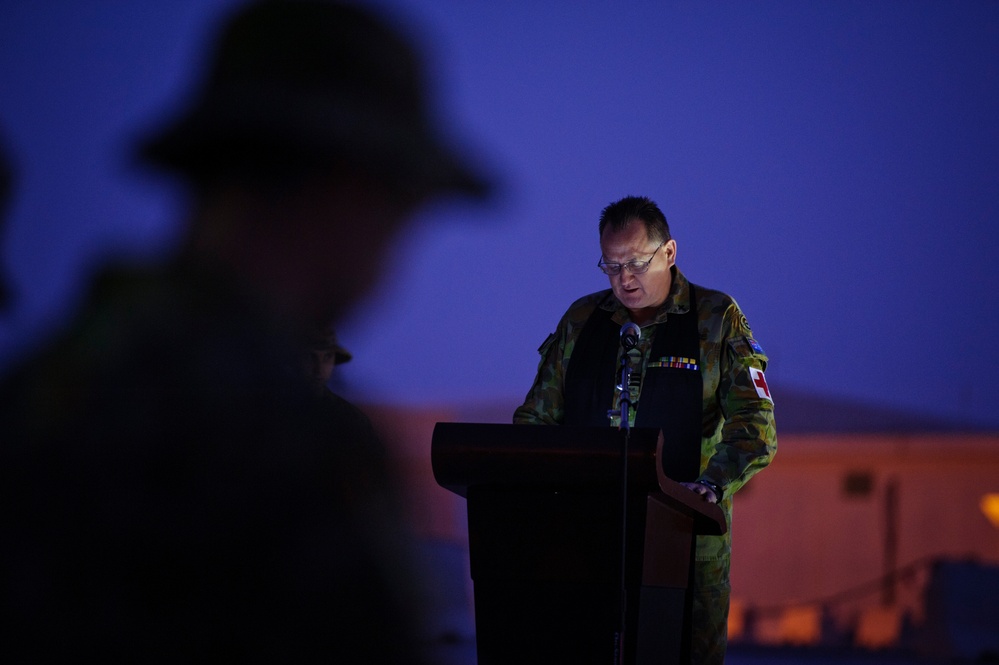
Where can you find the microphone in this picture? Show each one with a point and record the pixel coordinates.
(630, 334)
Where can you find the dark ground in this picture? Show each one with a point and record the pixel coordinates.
(452, 626)
(463, 653)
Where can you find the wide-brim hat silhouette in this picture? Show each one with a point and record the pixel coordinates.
(325, 340)
(305, 84)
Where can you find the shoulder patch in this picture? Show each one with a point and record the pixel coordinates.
(760, 384)
(543, 349)
(747, 350)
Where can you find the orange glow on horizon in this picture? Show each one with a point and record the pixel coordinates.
(990, 508)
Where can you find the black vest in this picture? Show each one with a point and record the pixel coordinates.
(671, 395)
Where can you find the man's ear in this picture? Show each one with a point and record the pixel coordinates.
(669, 249)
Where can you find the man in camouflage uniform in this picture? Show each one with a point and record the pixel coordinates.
(698, 374)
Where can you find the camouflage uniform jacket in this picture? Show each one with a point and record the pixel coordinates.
(738, 435)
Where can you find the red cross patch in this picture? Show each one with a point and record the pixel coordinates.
(760, 383)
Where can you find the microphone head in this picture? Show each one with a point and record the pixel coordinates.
(630, 334)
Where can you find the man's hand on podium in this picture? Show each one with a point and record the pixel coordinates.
(709, 491)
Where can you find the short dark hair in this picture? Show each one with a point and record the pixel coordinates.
(621, 213)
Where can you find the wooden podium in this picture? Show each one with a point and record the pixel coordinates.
(547, 546)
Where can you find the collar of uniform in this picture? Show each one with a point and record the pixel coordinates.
(677, 302)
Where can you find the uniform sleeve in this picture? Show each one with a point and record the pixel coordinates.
(544, 404)
(749, 436)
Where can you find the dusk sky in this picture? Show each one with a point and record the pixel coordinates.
(832, 165)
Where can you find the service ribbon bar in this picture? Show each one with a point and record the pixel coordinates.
(678, 362)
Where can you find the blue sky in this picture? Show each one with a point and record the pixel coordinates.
(832, 165)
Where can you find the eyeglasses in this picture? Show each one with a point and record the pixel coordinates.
(635, 267)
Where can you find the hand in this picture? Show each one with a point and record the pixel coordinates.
(706, 492)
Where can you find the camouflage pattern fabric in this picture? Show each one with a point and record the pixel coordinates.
(709, 636)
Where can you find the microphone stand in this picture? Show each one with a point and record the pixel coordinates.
(625, 413)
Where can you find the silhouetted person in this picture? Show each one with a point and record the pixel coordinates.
(169, 488)
(324, 353)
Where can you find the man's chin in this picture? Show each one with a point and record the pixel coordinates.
(632, 300)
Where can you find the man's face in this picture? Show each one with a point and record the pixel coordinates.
(318, 364)
(641, 294)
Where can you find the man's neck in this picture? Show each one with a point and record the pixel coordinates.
(644, 317)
